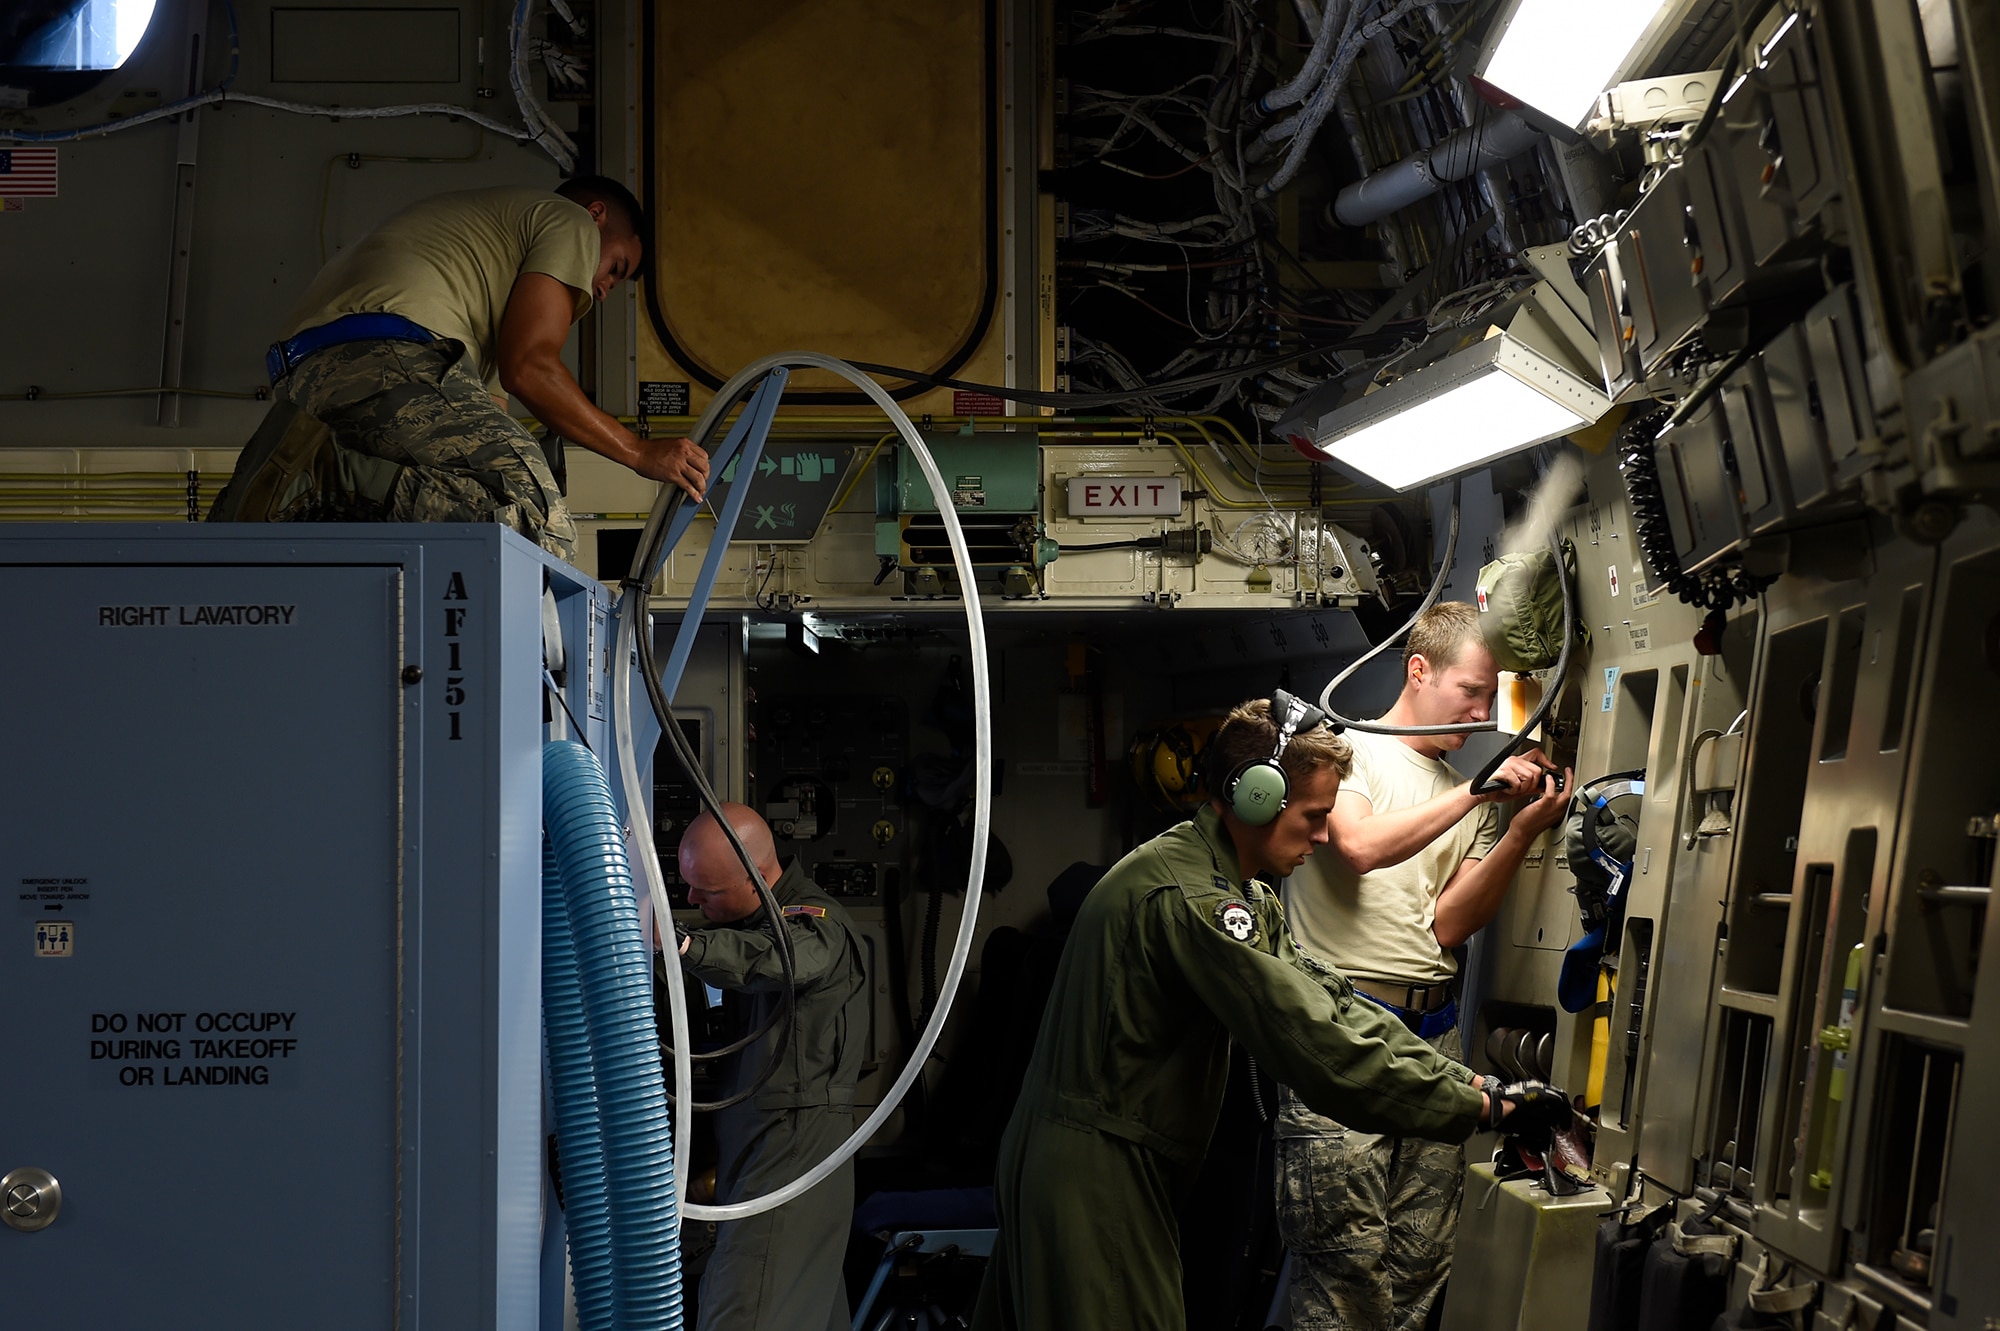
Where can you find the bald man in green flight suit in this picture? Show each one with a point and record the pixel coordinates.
(1182, 947)
(779, 1271)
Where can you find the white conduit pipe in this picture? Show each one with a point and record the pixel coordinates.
(638, 811)
(1423, 173)
(220, 96)
(645, 857)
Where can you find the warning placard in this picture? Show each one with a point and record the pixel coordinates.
(658, 397)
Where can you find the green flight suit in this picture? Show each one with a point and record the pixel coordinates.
(1172, 956)
(781, 1271)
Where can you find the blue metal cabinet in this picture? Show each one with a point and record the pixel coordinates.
(270, 827)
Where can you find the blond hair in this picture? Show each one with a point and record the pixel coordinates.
(1441, 633)
(1249, 735)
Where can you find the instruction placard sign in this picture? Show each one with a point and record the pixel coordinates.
(658, 397)
(790, 494)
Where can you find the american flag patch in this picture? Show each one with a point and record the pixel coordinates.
(812, 912)
(27, 173)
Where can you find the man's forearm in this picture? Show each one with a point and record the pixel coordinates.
(1472, 898)
(547, 390)
(1369, 843)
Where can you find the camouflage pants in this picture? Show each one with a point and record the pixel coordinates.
(1369, 1220)
(419, 439)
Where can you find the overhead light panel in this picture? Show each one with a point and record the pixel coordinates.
(1557, 56)
(1521, 373)
(1493, 398)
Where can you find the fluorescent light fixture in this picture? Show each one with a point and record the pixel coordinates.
(1556, 56)
(1493, 398)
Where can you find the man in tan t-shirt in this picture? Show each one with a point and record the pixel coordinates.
(1414, 866)
(390, 389)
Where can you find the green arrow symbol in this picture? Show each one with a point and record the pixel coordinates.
(767, 466)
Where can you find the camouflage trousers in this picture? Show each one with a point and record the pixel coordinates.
(415, 437)
(1369, 1220)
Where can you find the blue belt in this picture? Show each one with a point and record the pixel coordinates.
(284, 357)
(1426, 1025)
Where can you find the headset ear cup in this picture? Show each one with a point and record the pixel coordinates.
(1258, 792)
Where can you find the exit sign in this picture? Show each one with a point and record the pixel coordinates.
(1124, 496)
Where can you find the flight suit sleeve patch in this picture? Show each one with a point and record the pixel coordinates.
(815, 912)
(1237, 920)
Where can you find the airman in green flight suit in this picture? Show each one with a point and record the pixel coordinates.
(779, 1271)
(1182, 947)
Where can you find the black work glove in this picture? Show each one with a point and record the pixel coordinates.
(1531, 1112)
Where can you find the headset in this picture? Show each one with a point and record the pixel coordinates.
(1257, 791)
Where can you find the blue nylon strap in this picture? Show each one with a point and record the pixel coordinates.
(284, 356)
(1438, 1022)
(678, 525)
(752, 427)
(1426, 1026)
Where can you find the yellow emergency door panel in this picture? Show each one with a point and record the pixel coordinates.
(822, 176)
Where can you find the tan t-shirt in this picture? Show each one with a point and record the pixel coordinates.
(449, 263)
(1377, 926)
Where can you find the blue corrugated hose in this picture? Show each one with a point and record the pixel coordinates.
(620, 1085)
(579, 1143)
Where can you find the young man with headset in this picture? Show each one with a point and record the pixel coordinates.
(1413, 866)
(1180, 948)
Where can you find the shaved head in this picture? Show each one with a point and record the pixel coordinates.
(717, 885)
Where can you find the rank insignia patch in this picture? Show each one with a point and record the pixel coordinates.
(1234, 918)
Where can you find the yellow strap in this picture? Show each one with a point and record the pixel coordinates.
(1600, 1043)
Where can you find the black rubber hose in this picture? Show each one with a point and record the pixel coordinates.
(932, 915)
(691, 764)
(645, 562)
(787, 1009)
(1430, 599)
(898, 959)
(1710, 112)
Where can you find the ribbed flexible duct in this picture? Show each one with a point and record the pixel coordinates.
(615, 969)
(579, 1143)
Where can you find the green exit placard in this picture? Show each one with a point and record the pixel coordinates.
(791, 492)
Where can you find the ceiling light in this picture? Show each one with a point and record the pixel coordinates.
(1556, 56)
(1522, 372)
(1491, 399)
